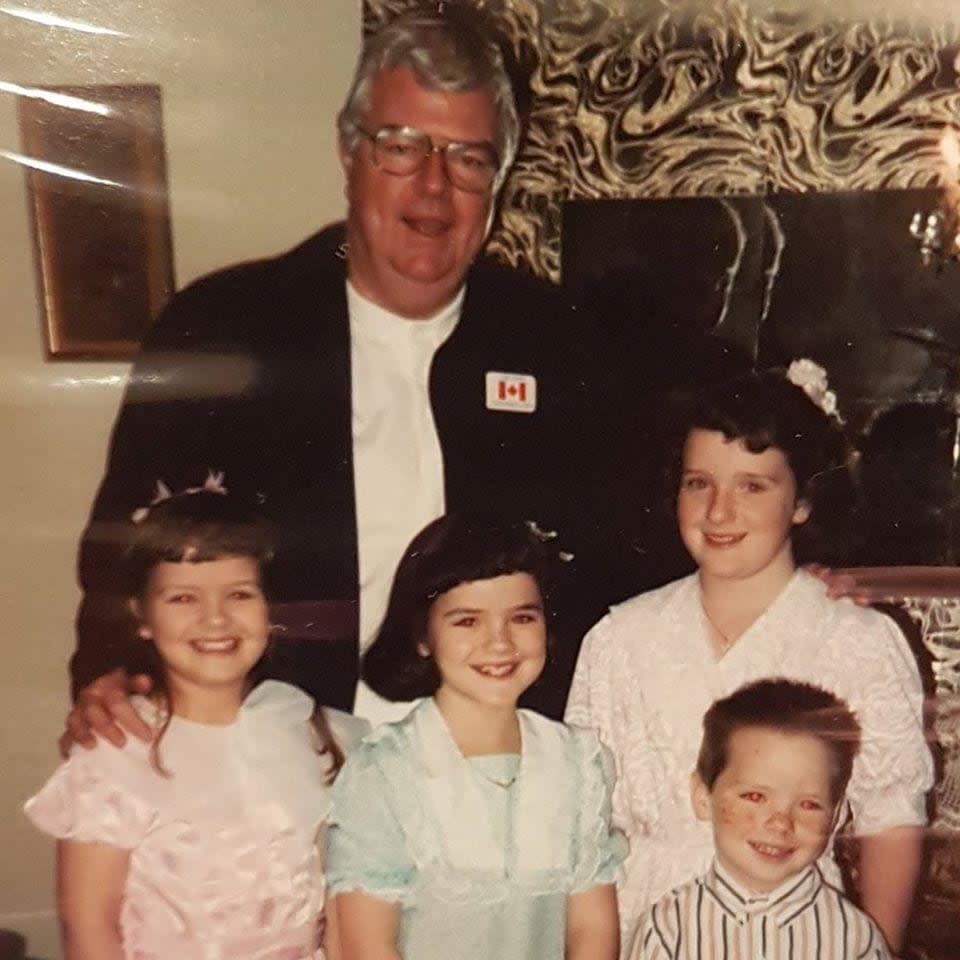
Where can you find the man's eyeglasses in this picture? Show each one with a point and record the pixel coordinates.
(404, 150)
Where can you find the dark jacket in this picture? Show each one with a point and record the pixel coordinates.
(248, 371)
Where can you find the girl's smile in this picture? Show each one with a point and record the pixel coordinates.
(226, 646)
(721, 541)
(497, 670)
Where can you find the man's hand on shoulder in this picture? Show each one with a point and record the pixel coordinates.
(104, 708)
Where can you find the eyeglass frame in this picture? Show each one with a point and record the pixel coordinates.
(375, 137)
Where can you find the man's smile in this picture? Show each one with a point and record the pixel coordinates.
(428, 226)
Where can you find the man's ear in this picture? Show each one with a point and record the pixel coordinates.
(801, 512)
(346, 155)
(136, 611)
(699, 797)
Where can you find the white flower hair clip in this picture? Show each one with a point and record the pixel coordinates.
(811, 378)
(213, 484)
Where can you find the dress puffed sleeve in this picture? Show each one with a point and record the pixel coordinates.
(347, 729)
(599, 847)
(607, 698)
(895, 765)
(366, 848)
(90, 799)
(586, 702)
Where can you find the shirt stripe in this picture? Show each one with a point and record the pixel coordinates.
(713, 918)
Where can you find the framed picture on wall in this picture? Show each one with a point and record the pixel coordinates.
(97, 192)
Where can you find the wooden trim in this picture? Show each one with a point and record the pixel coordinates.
(97, 191)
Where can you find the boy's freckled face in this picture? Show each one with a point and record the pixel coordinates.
(771, 807)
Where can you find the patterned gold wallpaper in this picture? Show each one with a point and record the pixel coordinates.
(658, 98)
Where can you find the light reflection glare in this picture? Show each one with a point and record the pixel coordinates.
(17, 384)
(57, 170)
(106, 380)
(52, 20)
(57, 99)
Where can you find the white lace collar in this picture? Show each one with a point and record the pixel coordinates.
(461, 813)
(275, 739)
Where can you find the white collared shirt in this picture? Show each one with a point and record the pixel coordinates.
(713, 917)
(397, 461)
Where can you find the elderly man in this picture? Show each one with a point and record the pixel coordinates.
(366, 381)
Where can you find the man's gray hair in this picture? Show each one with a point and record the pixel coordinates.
(445, 53)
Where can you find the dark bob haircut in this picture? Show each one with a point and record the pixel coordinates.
(196, 528)
(455, 549)
(788, 707)
(765, 410)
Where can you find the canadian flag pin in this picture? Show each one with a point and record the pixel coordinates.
(511, 392)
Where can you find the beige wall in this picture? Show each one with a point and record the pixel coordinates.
(249, 99)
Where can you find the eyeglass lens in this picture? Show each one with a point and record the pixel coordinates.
(470, 166)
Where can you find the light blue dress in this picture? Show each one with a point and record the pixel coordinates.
(480, 854)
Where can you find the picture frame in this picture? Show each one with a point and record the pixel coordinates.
(97, 194)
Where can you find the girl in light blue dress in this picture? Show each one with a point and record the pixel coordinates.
(472, 830)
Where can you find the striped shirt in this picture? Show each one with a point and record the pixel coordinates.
(713, 918)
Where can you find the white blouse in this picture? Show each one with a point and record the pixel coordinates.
(647, 673)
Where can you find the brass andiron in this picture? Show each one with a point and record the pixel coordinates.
(938, 233)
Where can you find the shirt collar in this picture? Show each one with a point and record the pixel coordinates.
(782, 905)
(371, 321)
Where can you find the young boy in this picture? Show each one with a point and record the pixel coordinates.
(773, 768)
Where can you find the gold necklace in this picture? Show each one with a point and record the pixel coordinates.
(502, 782)
(720, 640)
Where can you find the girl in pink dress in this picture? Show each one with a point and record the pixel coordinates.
(203, 843)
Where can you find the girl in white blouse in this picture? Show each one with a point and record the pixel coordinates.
(759, 460)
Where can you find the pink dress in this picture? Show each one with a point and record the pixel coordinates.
(223, 855)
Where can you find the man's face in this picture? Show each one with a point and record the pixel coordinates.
(412, 238)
